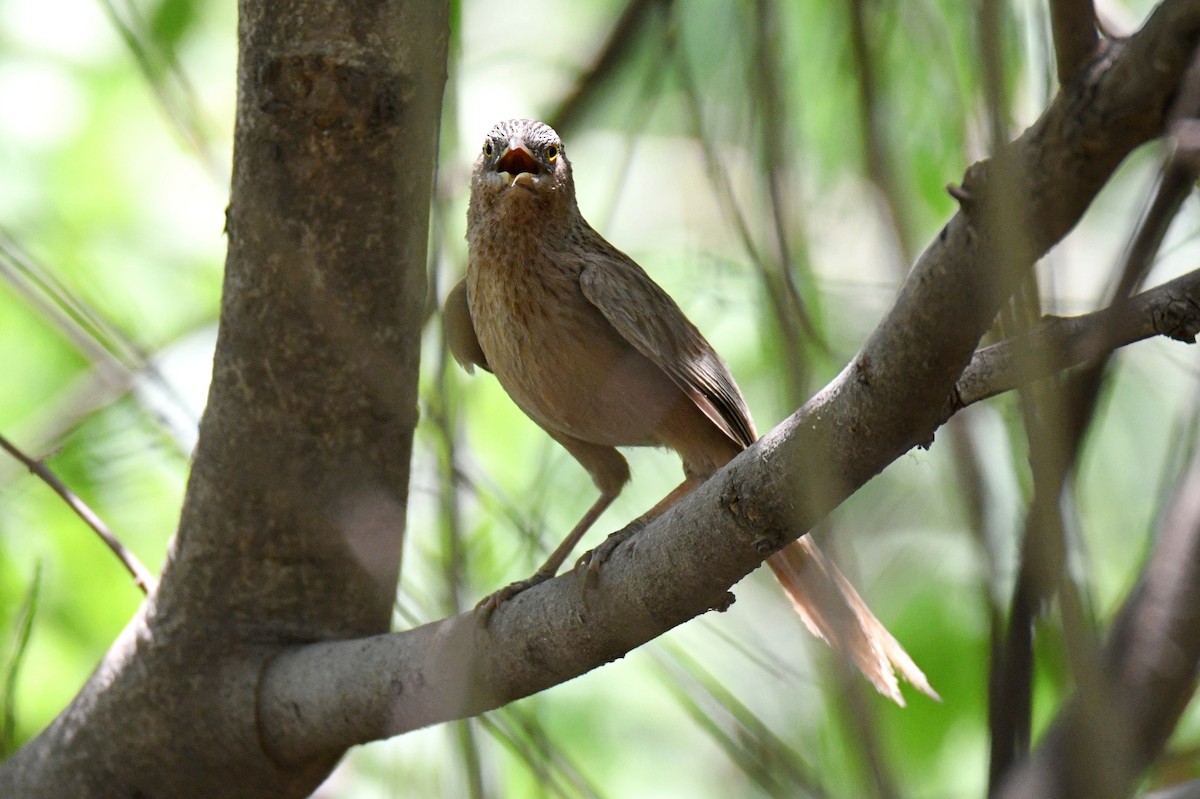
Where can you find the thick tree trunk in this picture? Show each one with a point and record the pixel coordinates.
(294, 516)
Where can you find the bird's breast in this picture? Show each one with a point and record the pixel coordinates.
(554, 352)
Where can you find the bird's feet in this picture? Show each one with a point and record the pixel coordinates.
(591, 562)
(488, 604)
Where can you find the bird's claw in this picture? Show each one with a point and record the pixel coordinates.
(488, 604)
(590, 562)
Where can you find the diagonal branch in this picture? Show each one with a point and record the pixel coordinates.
(1171, 310)
(619, 46)
(141, 575)
(322, 697)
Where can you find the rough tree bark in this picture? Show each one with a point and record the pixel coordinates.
(264, 653)
(295, 507)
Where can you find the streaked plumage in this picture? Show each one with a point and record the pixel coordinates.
(597, 354)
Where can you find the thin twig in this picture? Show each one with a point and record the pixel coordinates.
(771, 100)
(24, 626)
(168, 81)
(141, 575)
(617, 48)
(877, 149)
(1178, 175)
(118, 359)
(767, 759)
(1042, 548)
(769, 273)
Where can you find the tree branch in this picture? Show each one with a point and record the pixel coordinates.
(1107, 735)
(324, 697)
(1172, 310)
(1057, 416)
(1073, 408)
(141, 575)
(292, 524)
(1076, 38)
(619, 45)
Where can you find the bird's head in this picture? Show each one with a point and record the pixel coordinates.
(522, 167)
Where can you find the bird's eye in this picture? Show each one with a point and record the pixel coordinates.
(551, 153)
(488, 149)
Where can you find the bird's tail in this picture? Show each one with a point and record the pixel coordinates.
(835, 613)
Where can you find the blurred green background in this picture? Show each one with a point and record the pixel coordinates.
(775, 166)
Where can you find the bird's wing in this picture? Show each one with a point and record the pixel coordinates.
(460, 332)
(649, 319)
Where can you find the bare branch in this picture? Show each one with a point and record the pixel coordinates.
(1075, 36)
(1171, 310)
(877, 143)
(1057, 416)
(787, 305)
(8, 685)
(617, 47)
(141, 575)
(1107, 735)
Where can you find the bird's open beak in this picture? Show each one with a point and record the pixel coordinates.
(517, 159)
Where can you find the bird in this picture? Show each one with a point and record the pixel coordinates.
(591, 349)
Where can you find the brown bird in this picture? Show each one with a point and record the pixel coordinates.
(596, 353)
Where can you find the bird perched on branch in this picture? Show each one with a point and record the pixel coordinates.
(596, 353)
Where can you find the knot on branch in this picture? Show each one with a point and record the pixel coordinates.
(973, 188)
(724, 603)
(864, 372)
(770, 541)
(331, 93)
(730, 498)
(1178, 318)
(768, 538)
(964, 198)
